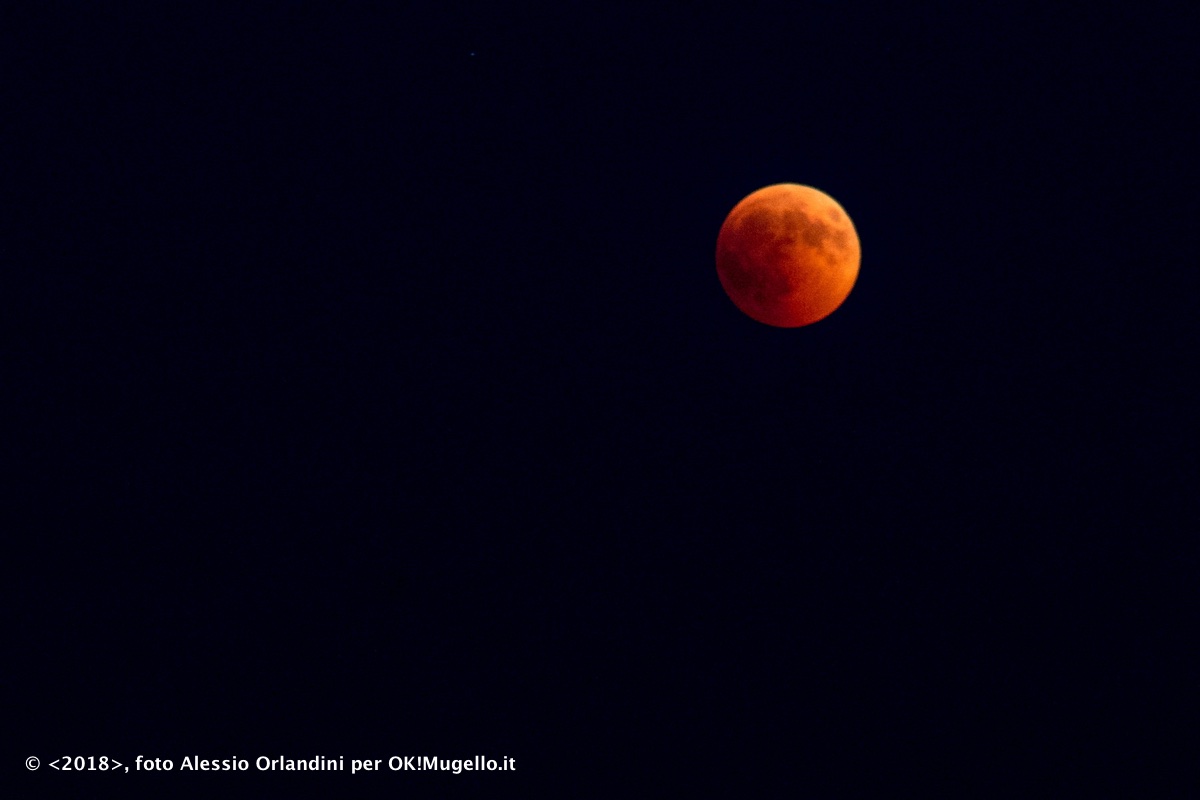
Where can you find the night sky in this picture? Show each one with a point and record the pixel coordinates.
(375, 393)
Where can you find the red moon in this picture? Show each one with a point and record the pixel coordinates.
(788, 255)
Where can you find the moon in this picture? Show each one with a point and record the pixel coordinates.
(788, 255)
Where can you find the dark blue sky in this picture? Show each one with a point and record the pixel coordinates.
(376, 389)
